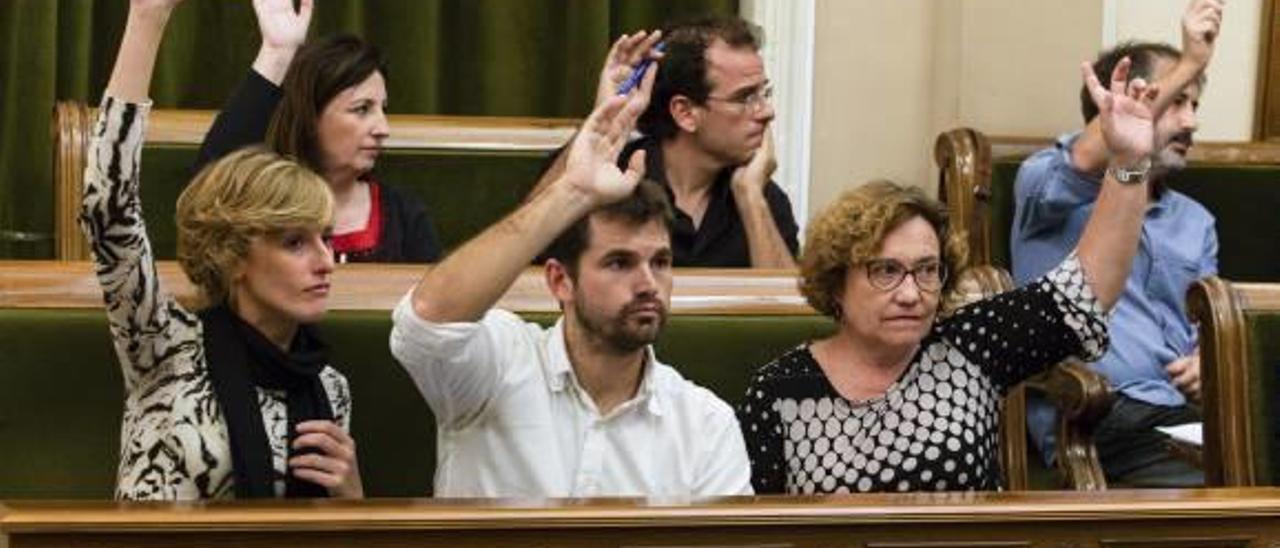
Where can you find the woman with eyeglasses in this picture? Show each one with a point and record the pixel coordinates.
(899, 399)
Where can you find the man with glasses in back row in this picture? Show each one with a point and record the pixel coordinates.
(707, 142)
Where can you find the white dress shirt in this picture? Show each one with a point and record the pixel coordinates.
(513, 421)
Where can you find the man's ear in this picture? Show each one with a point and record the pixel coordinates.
(558, 280)
(685, 112)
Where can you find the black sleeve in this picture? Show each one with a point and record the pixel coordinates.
(418, 243)
(762, 433)
(243, 120)
(780, 207)
(1022, 332)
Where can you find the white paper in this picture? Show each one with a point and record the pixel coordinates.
(1192, 433)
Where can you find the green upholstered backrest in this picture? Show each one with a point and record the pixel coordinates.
(1243, 198)
(464, 191)
(61, 395)
(1264, 385)
(1004, 172)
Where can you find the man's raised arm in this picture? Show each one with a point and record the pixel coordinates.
(472, 279)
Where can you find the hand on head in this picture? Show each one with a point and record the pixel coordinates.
(626, 52)
(333, 465)
(591, 167)
(1125, 112)
(1201, 24)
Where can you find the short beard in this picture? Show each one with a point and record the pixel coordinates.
(613, 332)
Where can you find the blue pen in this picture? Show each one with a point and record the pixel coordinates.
(637, 74)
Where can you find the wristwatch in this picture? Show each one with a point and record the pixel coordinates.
(1132, 174)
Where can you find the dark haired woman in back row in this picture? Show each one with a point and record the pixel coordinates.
(325, 106)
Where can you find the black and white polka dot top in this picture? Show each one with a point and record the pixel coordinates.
(936, 427)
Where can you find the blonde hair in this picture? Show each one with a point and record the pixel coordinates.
(850, 231)
(248, 193)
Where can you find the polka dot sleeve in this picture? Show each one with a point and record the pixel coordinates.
(762, 431)
(1022, 332)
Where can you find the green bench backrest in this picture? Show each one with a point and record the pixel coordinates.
(61, 395)
(1244, 199)
(1264, 385)
(464, 191)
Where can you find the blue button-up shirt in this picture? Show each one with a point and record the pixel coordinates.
(1149, 324)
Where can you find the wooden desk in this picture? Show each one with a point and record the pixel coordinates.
(71, 284)
(1164, 519)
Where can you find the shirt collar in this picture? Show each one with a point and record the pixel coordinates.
(560, 373)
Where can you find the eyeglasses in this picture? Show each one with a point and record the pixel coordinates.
(887, 274)
(753, 102)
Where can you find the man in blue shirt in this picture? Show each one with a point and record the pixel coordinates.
(1153, 364)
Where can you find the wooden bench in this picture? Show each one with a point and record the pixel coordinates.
(64, 406)
(1240, 376)
(469, 170)
(1220, 518)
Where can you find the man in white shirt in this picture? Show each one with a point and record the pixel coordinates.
(584, 408)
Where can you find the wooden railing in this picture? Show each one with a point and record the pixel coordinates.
(72, 284)
(1153, 519)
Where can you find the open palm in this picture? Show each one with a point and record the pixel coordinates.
(281, 26)
(1125, 112)
(591, 166)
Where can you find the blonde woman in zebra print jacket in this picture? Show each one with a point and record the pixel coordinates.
(237, 399)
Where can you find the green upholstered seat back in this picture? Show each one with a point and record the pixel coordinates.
(464, 191)
(1264, 385)
(1004, 172)
(1244, 199)
(61, 395)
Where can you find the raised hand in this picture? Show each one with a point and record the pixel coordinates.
(1125, 112)
(334, 466)
(283, 32)
(1201, 24)
(626, 51)
(754, 175)
(281, 26)
(591, 168)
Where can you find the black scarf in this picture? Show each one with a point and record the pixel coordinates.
(241, 359)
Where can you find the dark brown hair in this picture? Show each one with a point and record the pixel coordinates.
(647, 202)
(320, 71)
(683, 70)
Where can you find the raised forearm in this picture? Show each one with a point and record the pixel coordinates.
(764, 241)
(470, 280)
(136, 60)
(1110, 239)
(273, 62)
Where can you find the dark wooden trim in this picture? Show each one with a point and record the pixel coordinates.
(1266, 111)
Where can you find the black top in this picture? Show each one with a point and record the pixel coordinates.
(937, 427)
(406, 235)
(721, 239)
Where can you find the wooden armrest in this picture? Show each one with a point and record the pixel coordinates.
(1082, 398)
